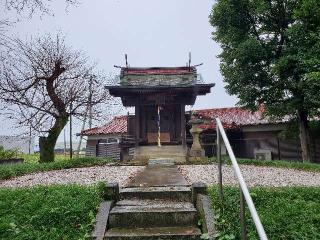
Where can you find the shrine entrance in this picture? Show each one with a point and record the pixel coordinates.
(161, 121)
(159, 124)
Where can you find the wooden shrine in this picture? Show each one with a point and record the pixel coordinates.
(159, 96)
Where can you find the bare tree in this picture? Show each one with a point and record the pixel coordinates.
(43, 82)
(22, 7)
(31, 6)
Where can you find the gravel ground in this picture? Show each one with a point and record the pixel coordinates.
(253, 175)
(121, 174)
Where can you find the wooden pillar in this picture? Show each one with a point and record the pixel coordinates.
(183, 126)
(137, 125)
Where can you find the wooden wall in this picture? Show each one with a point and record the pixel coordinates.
(99, 148)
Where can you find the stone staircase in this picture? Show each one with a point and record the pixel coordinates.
(154, 213)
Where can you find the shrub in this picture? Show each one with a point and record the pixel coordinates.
(7, 154)
(9, 171)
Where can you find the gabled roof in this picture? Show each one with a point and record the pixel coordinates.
(118, 125)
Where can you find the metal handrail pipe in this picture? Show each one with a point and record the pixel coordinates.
(244, 188)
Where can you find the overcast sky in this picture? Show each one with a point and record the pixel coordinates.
(151, 32)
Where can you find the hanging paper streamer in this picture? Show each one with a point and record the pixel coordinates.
(159, 134)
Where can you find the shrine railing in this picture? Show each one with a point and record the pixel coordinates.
(244, 192)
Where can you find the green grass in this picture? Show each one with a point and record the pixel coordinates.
(10, 171)
(55, 212)
(34, 158)
(315, 167)
(286, 213)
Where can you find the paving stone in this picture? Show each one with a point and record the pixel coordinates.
(153, 176)
(161, 161)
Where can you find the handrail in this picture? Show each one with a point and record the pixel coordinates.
(244, 189)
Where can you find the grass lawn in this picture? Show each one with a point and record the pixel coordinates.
(34, 158)
(286, 213)
(9, 171)
(55, 212)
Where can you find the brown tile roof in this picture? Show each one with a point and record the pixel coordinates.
(232, 117)
(116, 125)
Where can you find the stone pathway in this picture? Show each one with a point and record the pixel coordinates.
(154, 176)
(253, 175)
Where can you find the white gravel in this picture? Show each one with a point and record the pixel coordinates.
(83, 176)
(253, 175)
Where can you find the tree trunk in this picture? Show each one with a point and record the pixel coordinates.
(305, 140)
(47, 144)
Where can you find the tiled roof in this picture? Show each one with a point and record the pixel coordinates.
(158, 70)
(158, 76)
(116, 125)
(232, 117)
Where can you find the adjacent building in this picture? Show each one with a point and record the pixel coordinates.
(104, 141)
(252, 135)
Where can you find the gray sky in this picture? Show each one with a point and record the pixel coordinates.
(151, 32)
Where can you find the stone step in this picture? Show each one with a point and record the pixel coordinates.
(162, 154)
(162, 233)
(161, 161)
(168, 193)
(168, 149)
(141, 213)
(176, 152)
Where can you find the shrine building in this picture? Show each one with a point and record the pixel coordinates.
(159, 96)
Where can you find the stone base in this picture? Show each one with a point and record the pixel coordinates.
(196, 153)
(197, 159)
(143, 154)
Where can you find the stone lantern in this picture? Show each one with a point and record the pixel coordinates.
(196, 152)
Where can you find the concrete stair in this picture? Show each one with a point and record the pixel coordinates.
(135, 214)
(159, 233)
(157, 204)
(153, 213)
(166, 193)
